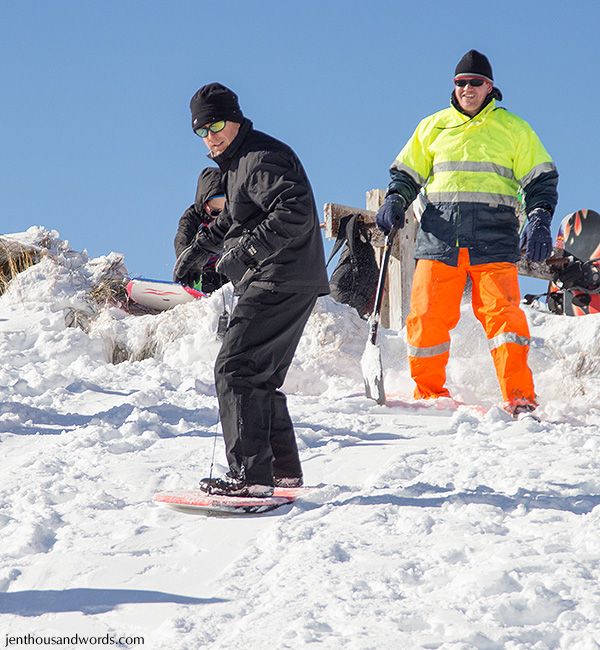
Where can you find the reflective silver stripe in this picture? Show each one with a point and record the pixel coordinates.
(401, 167)
(473, 197)
(507, 337)
(538, 170)
(469, 166)
(431, 351)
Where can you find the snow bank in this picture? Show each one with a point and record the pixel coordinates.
(327, 362)
(428, 526)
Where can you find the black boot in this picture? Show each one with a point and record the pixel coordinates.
(233, 485)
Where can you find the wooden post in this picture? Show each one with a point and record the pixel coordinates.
(396, 303)
(374, 200)
(334, 212)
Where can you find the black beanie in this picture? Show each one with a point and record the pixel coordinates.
(475, 63)
(212, 103)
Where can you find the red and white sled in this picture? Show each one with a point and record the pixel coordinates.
(157, 294)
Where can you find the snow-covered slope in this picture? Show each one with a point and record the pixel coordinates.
(430, 525)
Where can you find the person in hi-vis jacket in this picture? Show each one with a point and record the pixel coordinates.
(472, 159)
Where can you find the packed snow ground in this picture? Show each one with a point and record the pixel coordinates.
(430, 525)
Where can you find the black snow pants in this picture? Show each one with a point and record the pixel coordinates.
(256, 353)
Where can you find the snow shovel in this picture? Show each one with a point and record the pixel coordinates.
(370, 362)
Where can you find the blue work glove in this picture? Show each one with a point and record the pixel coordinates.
(536, 239)
(390, 213)
(241, 261)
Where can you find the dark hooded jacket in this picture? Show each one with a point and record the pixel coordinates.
(195, 218)
(209, 185)
(270, 198)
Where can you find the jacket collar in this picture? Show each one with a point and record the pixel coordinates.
(485, 107)
(478, 117)
(225, 159)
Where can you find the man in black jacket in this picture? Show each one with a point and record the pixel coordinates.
(208, 205)
(271, 249)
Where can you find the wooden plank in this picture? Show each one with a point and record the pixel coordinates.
(408, 235)
(539, 270)
(401, 267)
(334, 212)
(374, 199)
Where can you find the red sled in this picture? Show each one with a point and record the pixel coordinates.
(160, 295)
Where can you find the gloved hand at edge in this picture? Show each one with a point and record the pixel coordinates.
(536, 239)
(195, 256)
(245, 256)
(390, 213)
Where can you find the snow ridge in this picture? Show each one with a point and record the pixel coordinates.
(437, 525)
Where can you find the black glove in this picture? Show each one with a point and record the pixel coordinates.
(579, 276)
(194, 257)
(241, 261)
(536, 238)
(191, 277)
(390, 213)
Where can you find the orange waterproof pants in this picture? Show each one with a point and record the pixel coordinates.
(435, 310)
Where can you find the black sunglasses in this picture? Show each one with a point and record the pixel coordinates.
(461, 83)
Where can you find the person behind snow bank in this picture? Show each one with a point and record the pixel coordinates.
(270, 244)
(471, 159)
(210, 200)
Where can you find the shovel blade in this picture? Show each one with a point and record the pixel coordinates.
(372, 372)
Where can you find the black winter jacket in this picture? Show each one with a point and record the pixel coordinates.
(190, 223)
(269, 197)
(209, 184)
(193, 220)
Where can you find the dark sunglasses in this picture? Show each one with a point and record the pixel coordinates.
(215, 212)
(461, 83)
(215, 127)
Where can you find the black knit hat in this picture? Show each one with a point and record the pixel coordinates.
(474, 63)
(214, 102)
(209, 185)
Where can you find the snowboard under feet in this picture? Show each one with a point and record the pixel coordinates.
(215, 504)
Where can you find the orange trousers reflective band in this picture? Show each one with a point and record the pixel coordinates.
(437, 291)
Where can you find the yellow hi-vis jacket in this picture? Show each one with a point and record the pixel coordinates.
(471, 171)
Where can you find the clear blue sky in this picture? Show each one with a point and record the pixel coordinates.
(94, 120)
